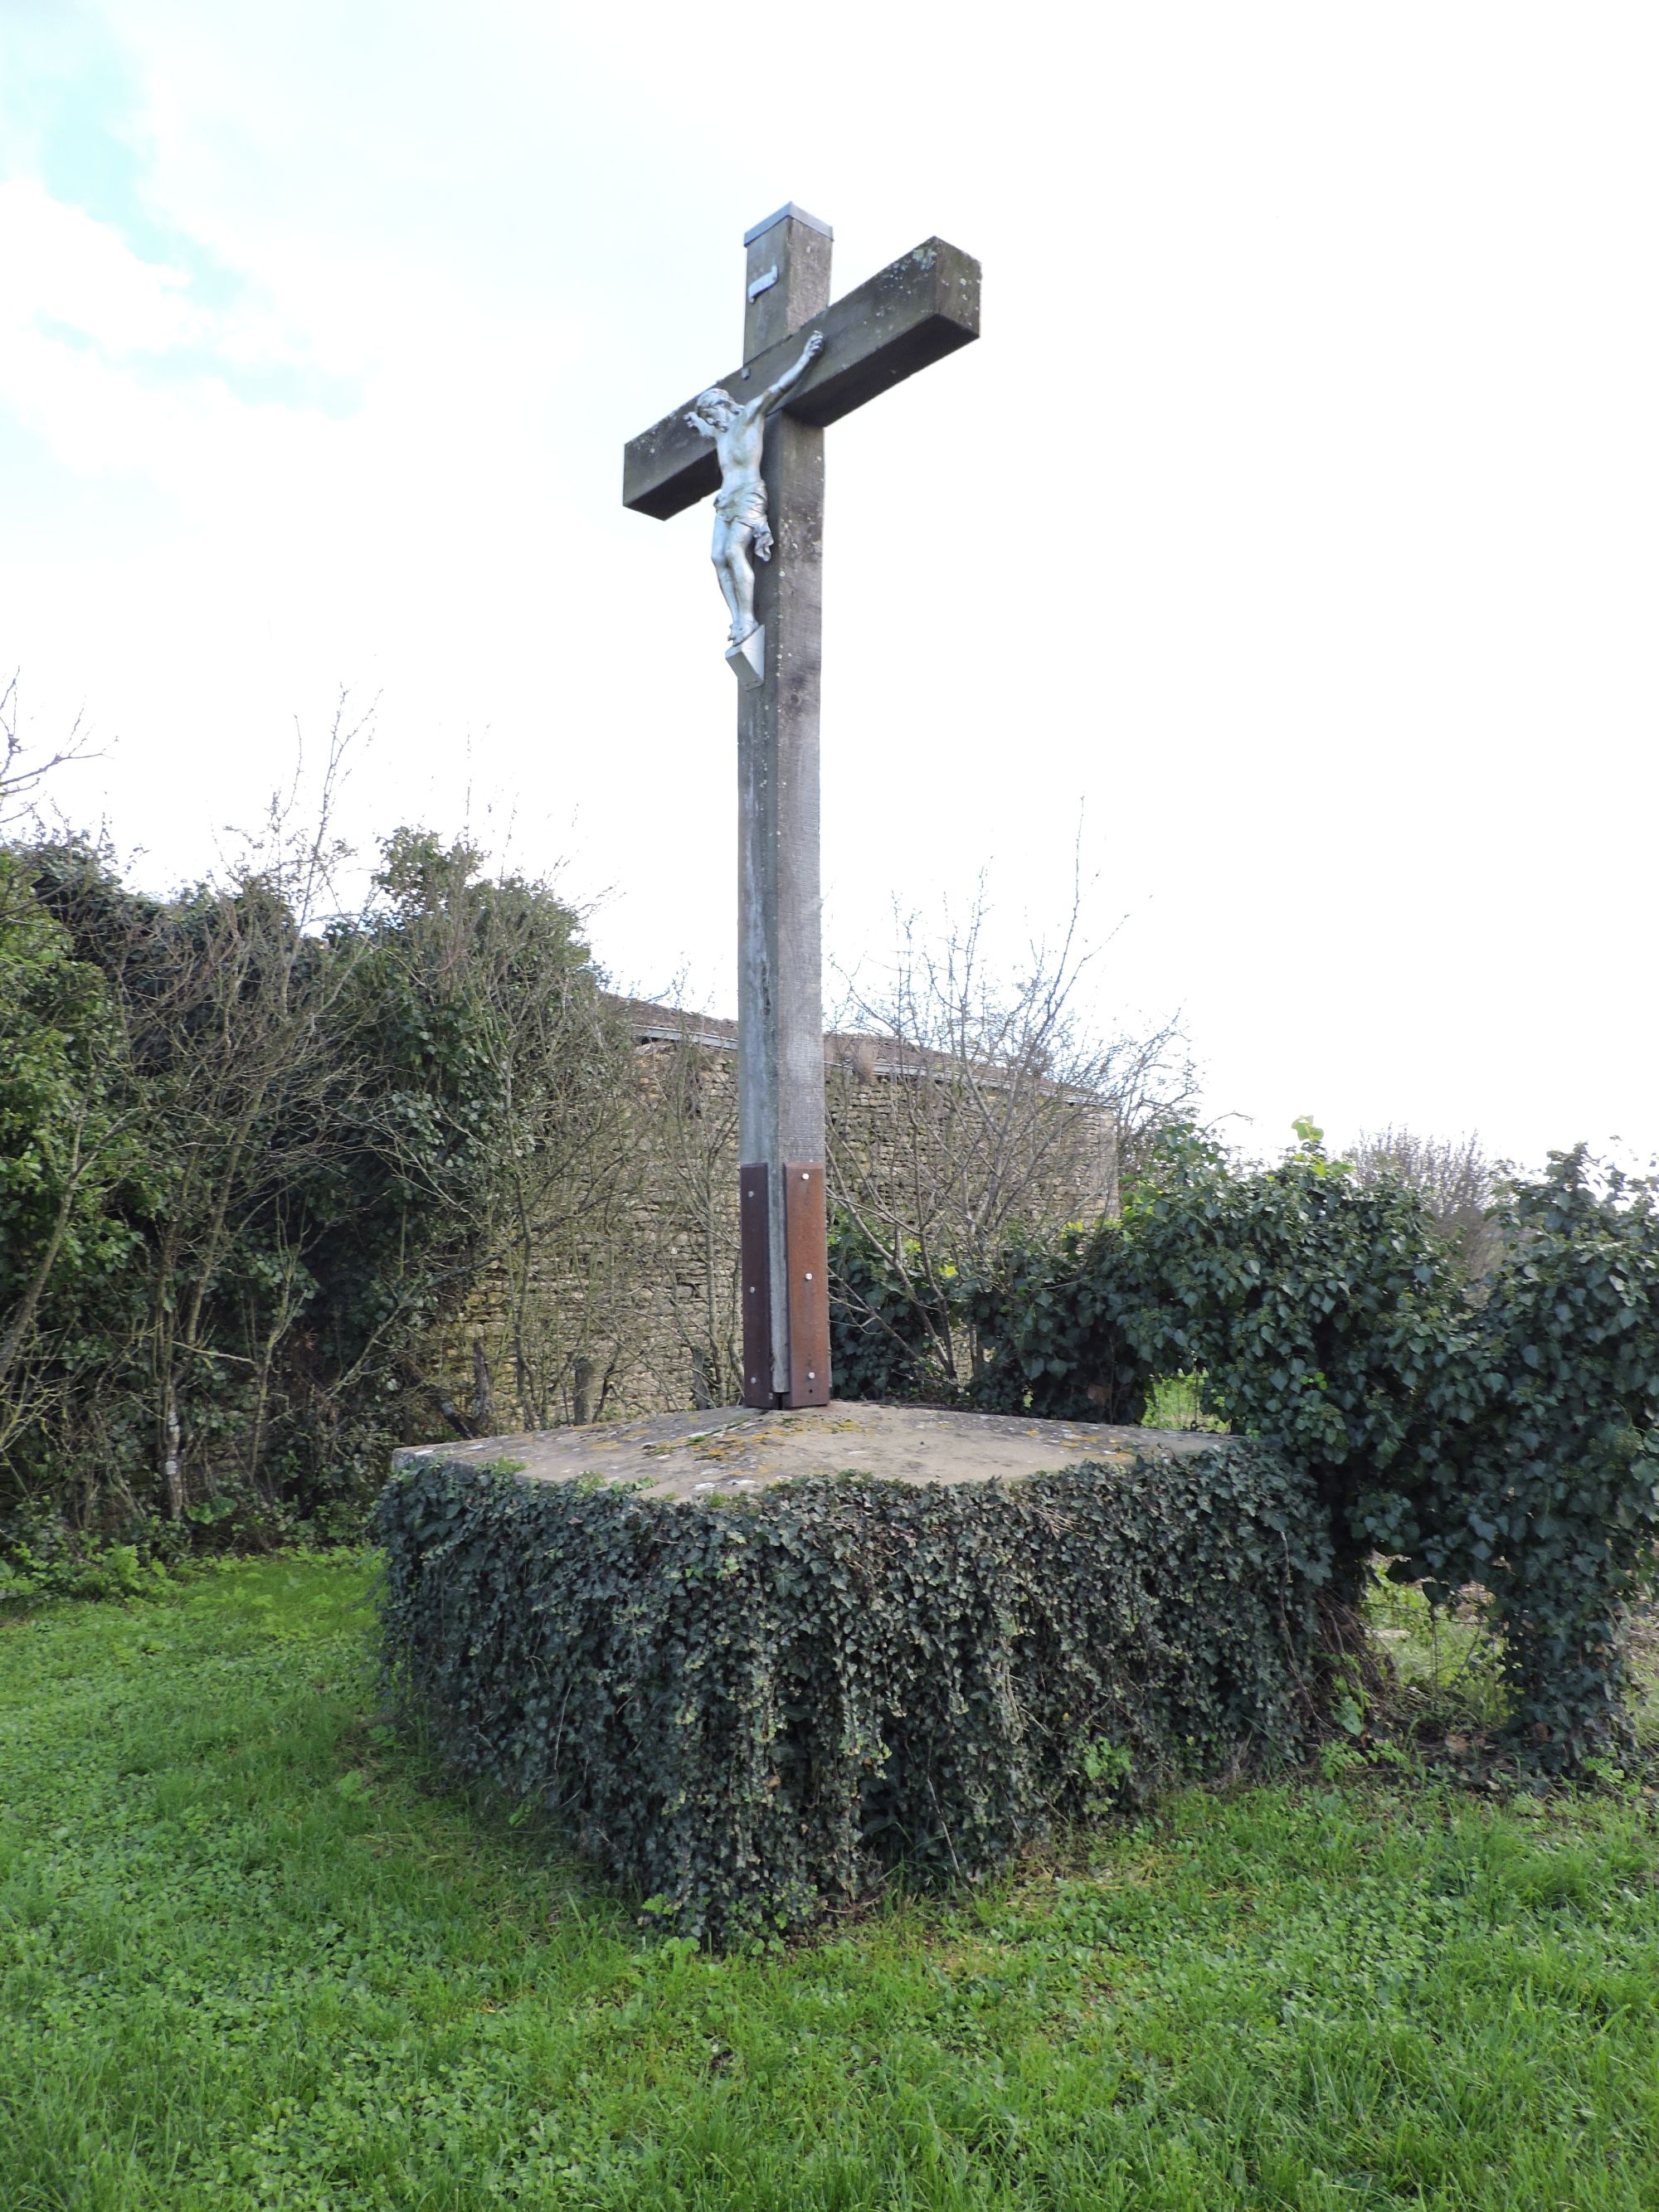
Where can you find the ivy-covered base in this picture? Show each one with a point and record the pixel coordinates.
(747, 1711)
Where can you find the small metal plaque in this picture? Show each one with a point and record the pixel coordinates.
(763, 283)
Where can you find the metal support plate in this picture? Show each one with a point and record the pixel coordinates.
(806, 1256)
(754, 1252)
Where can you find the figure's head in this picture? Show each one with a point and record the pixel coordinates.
(717, 406)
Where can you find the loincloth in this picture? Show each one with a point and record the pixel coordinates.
(743, 504)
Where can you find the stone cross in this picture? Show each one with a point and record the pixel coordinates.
(916, 311)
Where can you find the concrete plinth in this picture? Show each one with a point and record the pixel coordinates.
(692, 1457)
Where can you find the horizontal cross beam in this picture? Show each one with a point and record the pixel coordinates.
(915, 312)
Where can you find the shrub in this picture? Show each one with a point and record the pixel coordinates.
(249, 1158)
(1316, 1309)
(1320, 1311)
(1504, 1431)
(109, 1570)
(1550, 1430)
(885, 1321)
(746, 1712)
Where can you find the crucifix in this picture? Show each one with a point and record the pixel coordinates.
(756, 441)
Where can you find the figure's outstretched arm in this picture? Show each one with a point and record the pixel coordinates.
(703, 428)
(791, 377)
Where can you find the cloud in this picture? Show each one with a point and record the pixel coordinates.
(111, 360)
(1293, 507)
(58, 265)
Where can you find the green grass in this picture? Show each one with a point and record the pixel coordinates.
(1175, 1402)
(250, 1959)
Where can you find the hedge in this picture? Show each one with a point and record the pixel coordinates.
(249, 1167)
(747, 1712)
(1501, 1430)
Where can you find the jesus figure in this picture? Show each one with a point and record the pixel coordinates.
(740, 523)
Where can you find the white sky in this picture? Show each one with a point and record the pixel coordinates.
(1295, 515)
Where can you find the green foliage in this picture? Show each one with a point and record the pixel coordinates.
(747, 1711)
(1314, 1309)
(884, 1328)
(1442, 1687)
(1176, 1401)
(1050, 1334)
(107, 1570)
(1552, 1443)
(1044, 1338)
(71, 1167)
(248, 1163)
(250, 1957)
(1320, 1311)
(1504, 1433)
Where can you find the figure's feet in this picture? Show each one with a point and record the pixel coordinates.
(735, 636)
(747, 660)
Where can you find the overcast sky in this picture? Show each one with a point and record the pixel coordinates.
(1295, 518)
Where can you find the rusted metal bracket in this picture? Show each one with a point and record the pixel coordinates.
(754, 1252)
(806, 1259)
(806, 1287)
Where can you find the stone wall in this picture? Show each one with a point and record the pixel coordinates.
(623, 1300)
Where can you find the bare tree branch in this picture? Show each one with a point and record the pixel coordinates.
(1003, 1108)
(1453, 1176)
(20, 777)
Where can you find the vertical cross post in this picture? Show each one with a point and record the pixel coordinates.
(912, 312)
(786, 1335)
